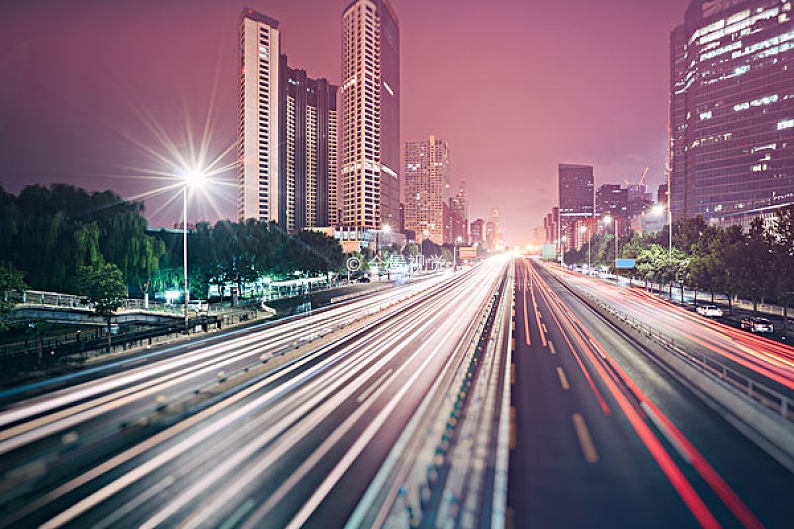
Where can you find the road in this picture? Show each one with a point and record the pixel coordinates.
(763, 360)
(604, 438)
(292, 446)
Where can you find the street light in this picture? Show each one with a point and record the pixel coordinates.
(455, 253)
(385, 228)
(193, 179)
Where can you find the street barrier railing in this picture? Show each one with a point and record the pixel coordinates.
(754, 389)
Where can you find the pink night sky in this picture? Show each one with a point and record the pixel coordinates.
(514, 86)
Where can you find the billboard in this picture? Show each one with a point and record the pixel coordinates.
(467, 252)
(549, 251)
(624, 263)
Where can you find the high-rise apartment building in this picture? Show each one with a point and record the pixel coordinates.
(258, 193)
(370, 133)
(576, 198)
(426, 176)
(287, 135)
(309, 150)
(731, 108)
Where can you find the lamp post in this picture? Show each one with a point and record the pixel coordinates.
(191, 179)
(455, 253)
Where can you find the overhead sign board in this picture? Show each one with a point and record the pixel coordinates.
(549, 251)
(467, 252)
(624, 263)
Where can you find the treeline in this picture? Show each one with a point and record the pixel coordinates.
(55, 237)
(756, 265)
(239, 253)
(53, 234)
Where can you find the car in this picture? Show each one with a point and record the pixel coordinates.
(759, 325)
(363, 279)
(710, 311)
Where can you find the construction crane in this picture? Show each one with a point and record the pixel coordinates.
(642, 178)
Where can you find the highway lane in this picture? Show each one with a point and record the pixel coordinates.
(88, 414)
(759, 358)
(603, 437)
(286, 450)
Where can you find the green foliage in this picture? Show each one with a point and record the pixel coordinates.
(103, 284)
(10, 280)
(50, 233)
(758, 265)
(241, 253)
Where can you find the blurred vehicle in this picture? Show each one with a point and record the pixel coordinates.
(759, 325)
(363, 279)
(710, 311)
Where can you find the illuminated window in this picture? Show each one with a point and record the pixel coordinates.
(785, 124)
(705, 115)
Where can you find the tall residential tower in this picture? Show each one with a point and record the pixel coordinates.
(287, 135)
(370, 121)
(426, 187)
(258, 193)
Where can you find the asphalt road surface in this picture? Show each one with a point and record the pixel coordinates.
(605, 438)
(294, 447)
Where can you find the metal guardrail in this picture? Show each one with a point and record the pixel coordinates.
(757, 391)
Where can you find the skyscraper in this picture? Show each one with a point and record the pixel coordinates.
(611, 199)
(575, 187)
(731, 108)
(459, 204)
(370, 135)
(309, 150)
(258, 193)
(477, 231)
(427, 172)
(287, 141)
(493, 230)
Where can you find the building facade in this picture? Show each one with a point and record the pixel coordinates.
(287, 142)
(477, 231)
(459, 204)
(731, 108)
(258, 193)
(612, 200)
(370, 120)
(309, 172)
(426, 177)
(576, 196)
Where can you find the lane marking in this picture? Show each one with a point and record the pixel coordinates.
(563, 378)
(552, 350)
(361, 398)
(544, 328)
(585, 441)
